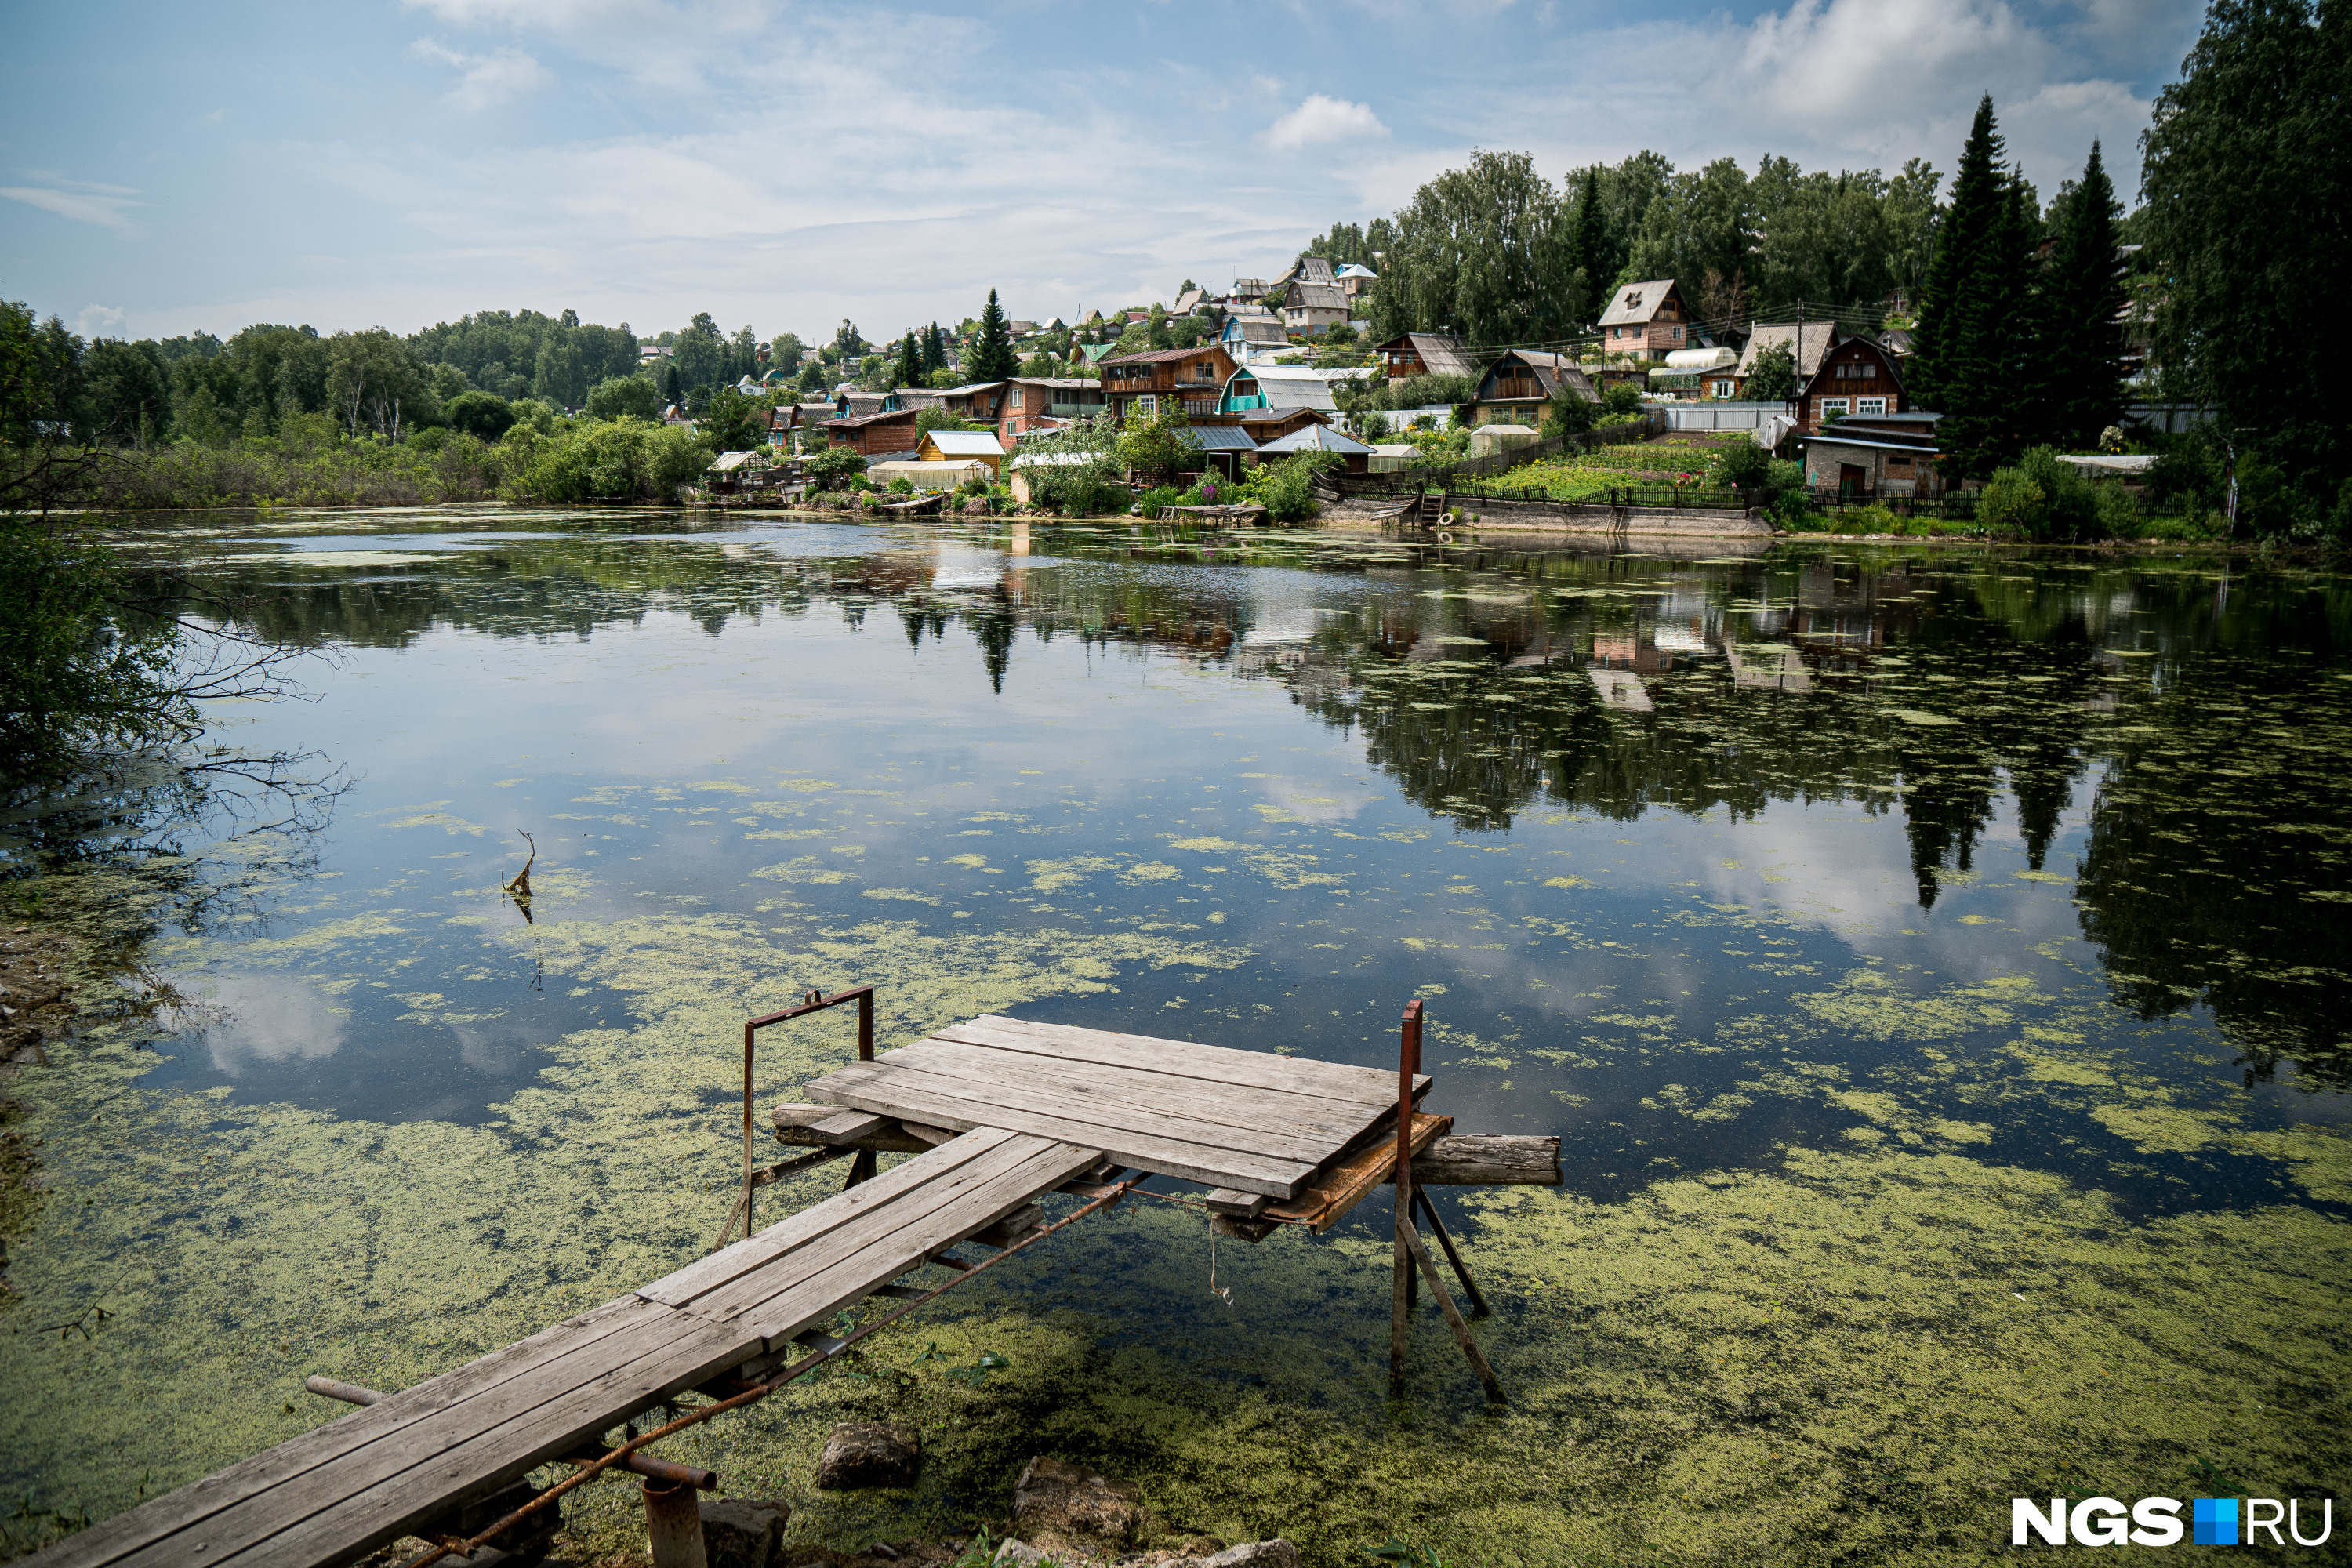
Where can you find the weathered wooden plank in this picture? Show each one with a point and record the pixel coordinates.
(1187, 1059)
(754, 1252)
(1489, 1160)
(815, 1280)
(898, 1092)
(847, 1127)
(1083, 1091)
(1227, 1201)
(793, 1122)
(200, 1501)
(1341, 1188)
(816, 1298)
(1313, 1120)
(519, 1429)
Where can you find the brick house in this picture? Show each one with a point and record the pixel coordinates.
(1869, 458)
(1191, 380)
(1646, 319)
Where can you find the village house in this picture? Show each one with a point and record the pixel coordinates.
(1689, 375)
(1856, 378)
(875, 436)
(978, 403)
(1517, 387)
(1257, 389)
(1357, 280)
(1225, 450)
(1426, 354)
(1886, 457)
(1190, 300)
(1247, 291)
(1648, 320)
(1321, 439)
(1040, 401)
(1190, 381)
(1818, 338)
(1253, 334)
(962, 446)
(1312, 310)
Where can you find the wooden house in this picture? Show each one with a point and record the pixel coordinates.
(1312, 310)
(1319, 438)
(1258, 389)
(873, 435)
(1807, 348)
(962, 446)
(1188, 380)
(1357, 280)
(1253, 334)
(1426, 354)
(1648, 320)
(1855, 378)
(979, 402)
(1515, 387)
(1038, 402)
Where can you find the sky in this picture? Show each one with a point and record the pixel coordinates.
(397, 163)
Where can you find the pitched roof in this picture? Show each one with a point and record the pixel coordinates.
(1441, 353)
(1259, 329)
(1315, 439)
(1249, 288)
(1819, 337)
(729, 461)
(1636, 303)
(1311, 270)
(1312, 296)
(967, 443)
(1357, 269)
(1552, 371)
(1220, 438)
(1186, 301)
(1155, 355)
(1876, 350)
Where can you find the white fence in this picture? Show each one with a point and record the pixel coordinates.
(1723, 416)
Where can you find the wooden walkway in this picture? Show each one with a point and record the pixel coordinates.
(1015, 1109)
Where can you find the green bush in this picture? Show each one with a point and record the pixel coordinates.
(1741, 465)
(611, 460)
(901, 486)
(1287, 489)
(633, 396)
(830, 468)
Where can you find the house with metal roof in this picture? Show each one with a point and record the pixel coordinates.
(962, 446)
(1314, 309)
(1357, 279)
(1426, 354)
(1646, 320)
(1818, 339)
(1186, 381)
(1515, 388)
(1253, 334)
(1321, 439)
(1035, 402)
(1258, 389)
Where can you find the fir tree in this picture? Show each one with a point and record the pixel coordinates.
(935, 350)
(672, 389)
(1590, 240)
(992, 356)
(1975, 329)
(908, 370)
(2082, 346)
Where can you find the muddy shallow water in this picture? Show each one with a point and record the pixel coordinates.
(1934, 964)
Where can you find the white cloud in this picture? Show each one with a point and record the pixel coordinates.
(90, 204)
(1322, 118)
(485, 80)
(100, 321)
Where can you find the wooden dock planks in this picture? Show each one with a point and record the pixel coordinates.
(340, 1491)
(1244, 1120)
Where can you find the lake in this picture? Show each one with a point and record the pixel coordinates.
(1933, 961)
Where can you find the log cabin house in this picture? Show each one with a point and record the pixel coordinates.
(1855, 378)
(1426, 354)
(1517, 387)
(1039, 402)
(1190, 380)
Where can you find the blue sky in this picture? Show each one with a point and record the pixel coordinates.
(168, 168)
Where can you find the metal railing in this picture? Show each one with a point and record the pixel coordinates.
(862, 1166)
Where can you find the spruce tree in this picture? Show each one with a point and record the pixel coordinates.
(992, 356)
(2083, 302)
(1589, 237)
(672, 389)
(1976, 336)
(935, 350)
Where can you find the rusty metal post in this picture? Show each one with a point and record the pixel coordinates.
(1402, 1287)
(673, 1525)
(748, 1226)
(866, 1163)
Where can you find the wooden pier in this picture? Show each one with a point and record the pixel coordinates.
(998, 1112)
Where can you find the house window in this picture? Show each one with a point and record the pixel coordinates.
(1870, 405)
(1677, 334)
(1146, 406)
(1724, 390)
(1829, 406)
(1017, 398)
(1867, 372)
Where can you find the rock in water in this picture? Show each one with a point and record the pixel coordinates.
(869, 1454)
(1276, 1553)
(1062, 1508)
(738, 1534)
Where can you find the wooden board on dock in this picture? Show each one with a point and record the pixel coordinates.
(342, 1489)
(1244, 1121)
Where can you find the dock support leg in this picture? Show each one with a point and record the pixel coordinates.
(1478, 1308)
(1401, 1260)
(674, 1526)
(1454, 1319)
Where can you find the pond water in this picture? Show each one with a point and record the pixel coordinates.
(1933, 962)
